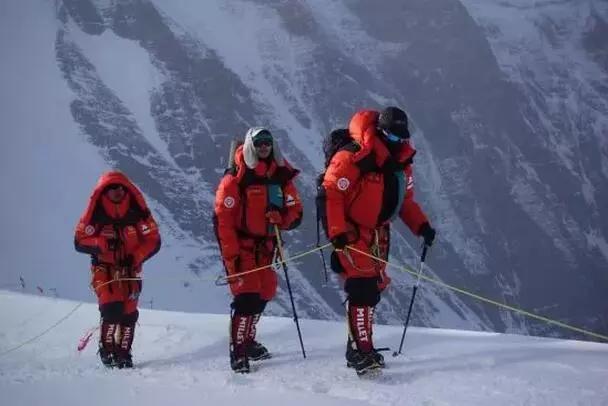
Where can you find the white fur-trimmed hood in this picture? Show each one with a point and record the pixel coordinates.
(249, 154)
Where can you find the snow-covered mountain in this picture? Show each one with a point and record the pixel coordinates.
(182, 359)
(509, 101)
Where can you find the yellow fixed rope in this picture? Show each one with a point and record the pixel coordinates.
(282, 261)
(227, 277)
(484, 299)
(115, 280)
(37, 336)
(410, 271)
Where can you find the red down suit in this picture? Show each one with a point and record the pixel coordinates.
(363, 189)
(247, 239)
(119, 237)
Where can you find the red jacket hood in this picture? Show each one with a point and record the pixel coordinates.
(363, 129)
(105, 180)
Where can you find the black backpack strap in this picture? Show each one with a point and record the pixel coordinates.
(368, 164)
(233, 170)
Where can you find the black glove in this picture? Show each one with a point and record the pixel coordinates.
(428, 233)
(340, 241)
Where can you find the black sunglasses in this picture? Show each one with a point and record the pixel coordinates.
(262, 143)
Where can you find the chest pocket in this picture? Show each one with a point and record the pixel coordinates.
(130, 238)
(254, 209)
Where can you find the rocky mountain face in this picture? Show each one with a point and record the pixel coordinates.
(510, 106)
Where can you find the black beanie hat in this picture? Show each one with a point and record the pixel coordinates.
(394, 120)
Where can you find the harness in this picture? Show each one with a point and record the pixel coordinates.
(114, 271)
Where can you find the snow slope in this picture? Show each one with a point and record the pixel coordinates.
(182, 359)
(508, 98)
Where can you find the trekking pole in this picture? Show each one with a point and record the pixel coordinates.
(321, 251)
(414, 290)
(293, 306)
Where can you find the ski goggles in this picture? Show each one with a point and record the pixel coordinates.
(394, 138)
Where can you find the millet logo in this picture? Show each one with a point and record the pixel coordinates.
(360, 324)
(240, 331)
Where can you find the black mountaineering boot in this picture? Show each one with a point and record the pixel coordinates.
(107, 358)
(257, 351)
(125, 360)
(364, 363)
(239, 364)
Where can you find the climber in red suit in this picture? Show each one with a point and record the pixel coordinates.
(119, 232)
(369, 182)
(253, 197)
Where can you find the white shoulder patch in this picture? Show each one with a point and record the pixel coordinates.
(343, 184)
(229, 202)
